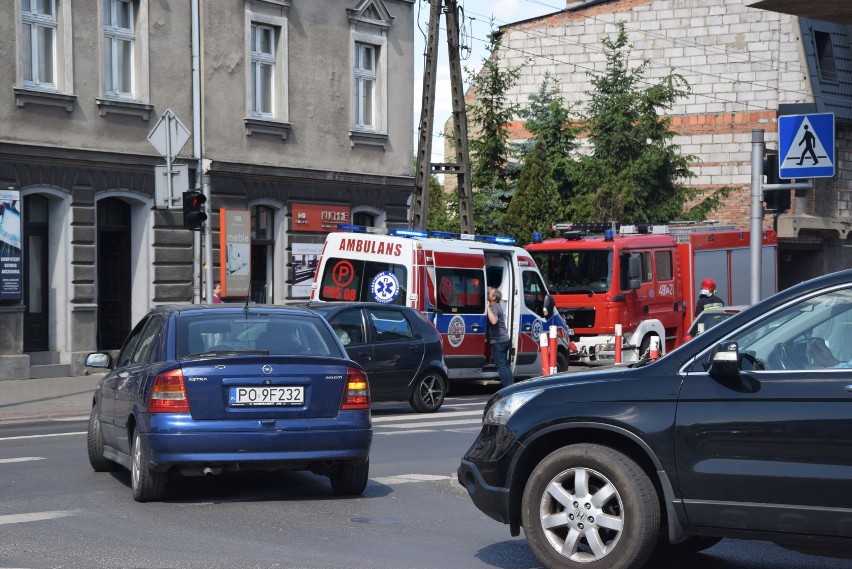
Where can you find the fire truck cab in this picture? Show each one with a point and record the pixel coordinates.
(447, 278)
(645, 279)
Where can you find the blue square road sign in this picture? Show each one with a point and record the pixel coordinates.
(806, 146)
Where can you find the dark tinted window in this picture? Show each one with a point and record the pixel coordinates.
(349, 327)
(147, 342)
(390, 325)
(363, 281)
(460, 291)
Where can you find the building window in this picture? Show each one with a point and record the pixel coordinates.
(364, 218)
(365, 86)
(825, 56)
(262, 70)
(119, 46)
(38, 39)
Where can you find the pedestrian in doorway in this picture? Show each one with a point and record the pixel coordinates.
(707, 297)
(217, 291)
(498, 335)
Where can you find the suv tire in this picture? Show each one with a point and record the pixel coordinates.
(594, 502)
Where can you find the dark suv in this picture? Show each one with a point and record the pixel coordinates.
(744, 432)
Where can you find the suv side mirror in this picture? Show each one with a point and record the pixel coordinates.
(725, 360)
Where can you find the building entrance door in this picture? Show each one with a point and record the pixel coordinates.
(36, 270)
(113, 261)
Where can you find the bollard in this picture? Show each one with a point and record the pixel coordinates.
(655, 348)
(700, 328)
(553, 349)
(545, 354)
(618, 343)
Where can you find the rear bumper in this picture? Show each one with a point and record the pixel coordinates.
(243, 443)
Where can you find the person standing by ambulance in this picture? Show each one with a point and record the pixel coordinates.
(498, 336)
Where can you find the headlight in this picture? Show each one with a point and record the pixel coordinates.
(502, 411)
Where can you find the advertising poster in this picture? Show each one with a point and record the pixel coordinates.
(304, 265)
(11, 260)
(235, 252)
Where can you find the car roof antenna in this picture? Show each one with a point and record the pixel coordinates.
(248, 297)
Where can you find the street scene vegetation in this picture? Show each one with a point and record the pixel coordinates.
(609, 157)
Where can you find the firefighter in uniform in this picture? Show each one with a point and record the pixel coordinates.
(707, 297)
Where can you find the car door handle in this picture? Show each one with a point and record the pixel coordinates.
(849, 388)
(475, 327)
(413, 348)
(364, 355)
(527, 327)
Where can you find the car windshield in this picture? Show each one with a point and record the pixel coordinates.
(575, 271)
(263, 333)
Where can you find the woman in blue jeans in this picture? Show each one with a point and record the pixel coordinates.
(498, 335)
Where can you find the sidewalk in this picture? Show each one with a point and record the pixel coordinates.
(46, 398)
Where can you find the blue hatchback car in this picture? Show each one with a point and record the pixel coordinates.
(201, 390)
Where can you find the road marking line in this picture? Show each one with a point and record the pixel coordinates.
(429, 417)
(430, 424)
(41, 436)
(34, 517)
(408, 478)
(20, 459)
(412, 432)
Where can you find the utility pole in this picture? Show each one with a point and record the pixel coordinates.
(419, 209)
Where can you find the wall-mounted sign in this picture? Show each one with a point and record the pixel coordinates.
(235, 252)
(319, 217)
(304, 265)
(11, 261)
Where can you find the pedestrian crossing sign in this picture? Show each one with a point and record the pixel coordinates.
(806, 146)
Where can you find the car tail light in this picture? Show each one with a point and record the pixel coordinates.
(168, 395)
(356, 395)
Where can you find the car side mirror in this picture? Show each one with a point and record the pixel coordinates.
(549, 306)
(725, 360)
(99, 359)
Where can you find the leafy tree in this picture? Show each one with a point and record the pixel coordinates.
(537, 203)
(440, 211)
(549, 121)
(634, 172)
(488, 120)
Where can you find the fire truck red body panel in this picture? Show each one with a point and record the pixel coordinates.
(588, 278)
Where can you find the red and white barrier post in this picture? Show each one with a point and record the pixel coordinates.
(545, 353)
(654, 349)
(553, 349)
(618, 343)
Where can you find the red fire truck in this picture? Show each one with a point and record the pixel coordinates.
(445, 276)
(645, 278)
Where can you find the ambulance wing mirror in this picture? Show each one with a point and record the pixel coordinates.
(635, 271)
(549, 306)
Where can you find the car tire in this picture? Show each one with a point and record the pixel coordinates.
(95, 445)
(622, 530)
(429, 392)
(351, 478)
(561, 362)
(145, 484)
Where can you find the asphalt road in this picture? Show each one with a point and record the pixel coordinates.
(55, 512)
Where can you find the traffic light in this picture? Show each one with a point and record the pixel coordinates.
(193, 210)
(776, 200)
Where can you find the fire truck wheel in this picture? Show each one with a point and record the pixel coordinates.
(429, 392)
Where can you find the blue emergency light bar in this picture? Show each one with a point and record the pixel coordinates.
(417, 233)
(408, 233)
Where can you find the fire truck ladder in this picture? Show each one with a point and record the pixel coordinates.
(419, 208)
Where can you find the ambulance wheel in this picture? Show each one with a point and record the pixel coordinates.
(561, 362)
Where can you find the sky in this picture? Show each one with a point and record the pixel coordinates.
(477, 25)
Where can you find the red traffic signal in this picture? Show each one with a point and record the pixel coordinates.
(193, 210)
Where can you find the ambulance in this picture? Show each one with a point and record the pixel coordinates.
(446, 276)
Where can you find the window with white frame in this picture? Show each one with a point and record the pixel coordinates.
(365, 86)
(263, 49)
(38, 43)
(119, 26)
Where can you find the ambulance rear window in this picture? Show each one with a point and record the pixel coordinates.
(363, 281)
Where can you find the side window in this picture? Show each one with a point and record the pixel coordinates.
(391, 325)
(124, 357)
(460, 291)
(349, 327)
(663, 260)
(647, 274)
(534, 292)
(147, 342)
(807, 335)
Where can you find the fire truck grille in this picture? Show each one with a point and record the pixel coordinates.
(579, 317)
